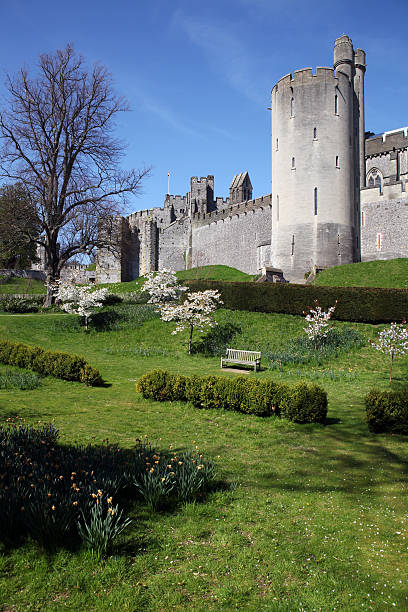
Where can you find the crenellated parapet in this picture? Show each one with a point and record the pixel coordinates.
(243, 208)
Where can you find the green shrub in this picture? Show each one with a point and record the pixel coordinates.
(387, 411)
(49, 363)
(21, 305)
(91, 377)
(361, 304)
(303, 403)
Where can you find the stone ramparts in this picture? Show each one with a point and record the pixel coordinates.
(235, 210)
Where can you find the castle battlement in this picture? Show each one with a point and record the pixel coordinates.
(305, 76)
(387, 141)
(231, 211)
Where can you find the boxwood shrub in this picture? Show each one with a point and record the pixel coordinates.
(361, 304)
(49, 363)
(387, 411)
(302, 403)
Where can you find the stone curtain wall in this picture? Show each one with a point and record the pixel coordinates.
(384, 226)
(238, 240)
(174, 242)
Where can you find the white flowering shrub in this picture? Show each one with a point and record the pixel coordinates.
(196, 312)
(392, 341)
(163, 287)
(318, 323)
(82, 301)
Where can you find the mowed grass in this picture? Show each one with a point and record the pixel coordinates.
(311, 517)
(22, 285)
(389, 274)
(224, 273)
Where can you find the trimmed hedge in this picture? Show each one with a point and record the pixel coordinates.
(49, 363)
(301, 403)
(361, 304)
(387, 411)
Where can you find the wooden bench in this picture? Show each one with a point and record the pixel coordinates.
(242, 357)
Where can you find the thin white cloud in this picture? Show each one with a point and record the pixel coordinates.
(166, 114)
(225, 51)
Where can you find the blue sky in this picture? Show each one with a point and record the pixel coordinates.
(198, 74)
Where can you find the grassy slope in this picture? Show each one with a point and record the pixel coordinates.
(391, 273)
(22, 285)
(206, 272)
(316, 518)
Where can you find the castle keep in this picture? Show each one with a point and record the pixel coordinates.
(339, 194)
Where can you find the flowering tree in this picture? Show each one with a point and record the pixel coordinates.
(318, 319)
(163, 287)
(195, 312)
(393, 342)
(82, 301)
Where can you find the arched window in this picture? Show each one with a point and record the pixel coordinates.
(292, 107)
(315, 200)
(374, 178)
(336, 105)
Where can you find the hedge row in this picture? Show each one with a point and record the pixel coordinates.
(302, 403)
(49, 363)
(387, 411)
(361, 304)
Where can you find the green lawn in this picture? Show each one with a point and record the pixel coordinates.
(22, 285)
(206, 272)
(312, 517)
(390, 274)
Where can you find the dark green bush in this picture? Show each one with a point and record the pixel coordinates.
(21, 305)
(303, 403)
(216, 340)
(49, 363)
(361, 304)
(387, 411)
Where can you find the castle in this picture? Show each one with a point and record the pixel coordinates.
(339, 194)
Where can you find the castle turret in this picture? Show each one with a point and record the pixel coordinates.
(314, 184)
(201, 194)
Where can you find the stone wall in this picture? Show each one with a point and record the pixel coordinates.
(240, 239)
(174, 244)
(384, 223)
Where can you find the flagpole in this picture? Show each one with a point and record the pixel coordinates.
(168, 183)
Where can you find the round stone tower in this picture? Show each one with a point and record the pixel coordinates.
(316, 125)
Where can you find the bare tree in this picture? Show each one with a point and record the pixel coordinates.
(58, 142)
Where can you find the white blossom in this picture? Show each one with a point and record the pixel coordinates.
(82, 301)
(163, 286)
(393, 342)
(195, 312)
(318, 320)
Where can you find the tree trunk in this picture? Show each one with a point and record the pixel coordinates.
(392, 359)
(190, 338)
(52, 272)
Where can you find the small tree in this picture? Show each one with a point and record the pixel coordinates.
(195, 312)
(393, 342)
(163, 287)
(82, 301)
(318, 319)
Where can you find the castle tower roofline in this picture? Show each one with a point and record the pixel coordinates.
(304, 76)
